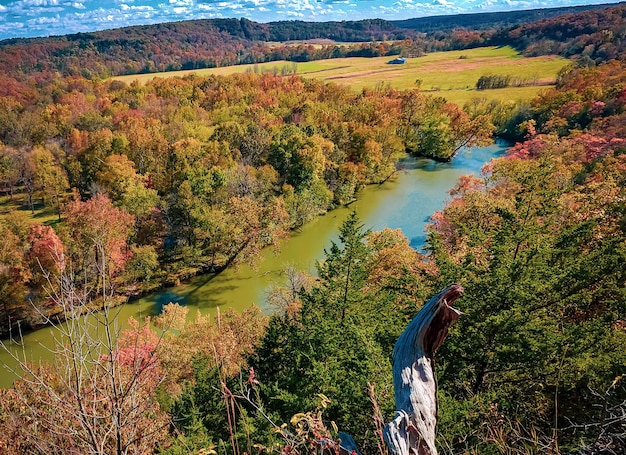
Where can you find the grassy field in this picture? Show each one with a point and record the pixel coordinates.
(43, 214)
(450, 74)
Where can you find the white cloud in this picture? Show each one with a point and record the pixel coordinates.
(142, 8)
(442, 3)
(10, 27)
(46, 21)
(34, 3)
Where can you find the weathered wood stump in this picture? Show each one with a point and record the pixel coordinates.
(412, 431)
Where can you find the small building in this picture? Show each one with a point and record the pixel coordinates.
(397, 61)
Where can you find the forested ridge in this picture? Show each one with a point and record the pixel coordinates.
(591, 36)
(223, 42)
(150, 184)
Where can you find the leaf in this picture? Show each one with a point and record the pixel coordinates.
(325, 400)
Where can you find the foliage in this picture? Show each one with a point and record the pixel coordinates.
(205, 361)
(185, 175)
(98, 394)
(590, 36)
(437, 129)
(98, 233)
(528, 74)
(225, 342)
(541, 262)
(202, 173)
(222, 42)
(340, 336)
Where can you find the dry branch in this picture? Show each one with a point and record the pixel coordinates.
(412, 432)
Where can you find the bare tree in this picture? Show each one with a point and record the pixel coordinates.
(98, 395)
(610, 425)
(412, 432)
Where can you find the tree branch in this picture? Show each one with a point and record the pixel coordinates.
(412, 432)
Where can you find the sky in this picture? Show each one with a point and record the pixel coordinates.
(28, 18)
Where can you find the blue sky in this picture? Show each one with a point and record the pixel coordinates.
(26, 18)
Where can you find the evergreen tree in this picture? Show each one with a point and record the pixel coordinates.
(339, 341)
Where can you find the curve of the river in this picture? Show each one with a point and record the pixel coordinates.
(406, 202)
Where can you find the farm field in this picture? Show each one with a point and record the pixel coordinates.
(451, 74)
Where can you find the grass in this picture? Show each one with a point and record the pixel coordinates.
(450, 74)
(44, 214)
(461, 97)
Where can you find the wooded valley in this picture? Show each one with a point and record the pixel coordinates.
(110, 190)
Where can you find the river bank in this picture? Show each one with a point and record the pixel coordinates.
(405, 202)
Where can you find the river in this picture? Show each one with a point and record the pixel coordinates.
(406, 202)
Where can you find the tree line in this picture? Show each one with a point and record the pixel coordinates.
(591, 37)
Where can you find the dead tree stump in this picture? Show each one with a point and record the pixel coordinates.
(412, 431)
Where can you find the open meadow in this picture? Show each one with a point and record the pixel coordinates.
(450, 74)
(18, 206)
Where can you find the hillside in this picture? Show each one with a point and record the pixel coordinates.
(483, 21)
(113, 189)
(203, 172)
(593, 36)
(450, 74)
(222, 42)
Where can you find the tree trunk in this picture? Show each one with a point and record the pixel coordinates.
(412, 432)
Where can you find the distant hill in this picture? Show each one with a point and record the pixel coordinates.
(482, 21)
(592, 36)
(221, 42)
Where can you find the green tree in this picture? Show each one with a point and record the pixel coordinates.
(9, 168)
(437, 129)
(308, 203)
(50, 177)
(338, 338)
(143, 263)
(543, 297)
(297, 158)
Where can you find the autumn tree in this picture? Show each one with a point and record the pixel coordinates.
(14, 276)
(125, 187)
(441, 133)
(205, 358)
(255, 226)
(50, 176)
(117, 171)
(97, 236)
(98, 394)
(9, 168)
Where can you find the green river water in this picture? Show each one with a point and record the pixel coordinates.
(406, 202)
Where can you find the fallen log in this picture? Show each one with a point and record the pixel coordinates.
(412, 431)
